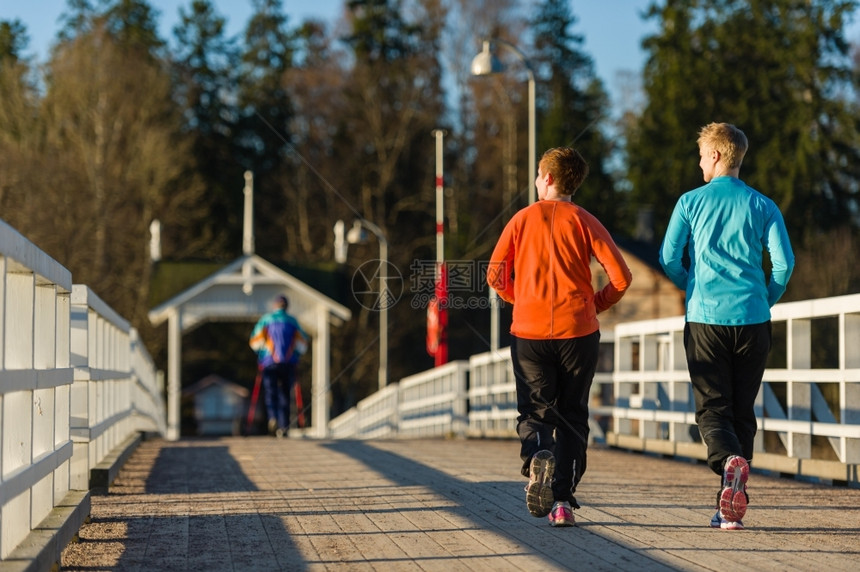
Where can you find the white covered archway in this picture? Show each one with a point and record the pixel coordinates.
(243, 290)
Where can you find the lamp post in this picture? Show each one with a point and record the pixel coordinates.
(486, 63)
(356, 235)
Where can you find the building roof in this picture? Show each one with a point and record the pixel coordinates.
(214, 380)
(244, 289)
(646, 251)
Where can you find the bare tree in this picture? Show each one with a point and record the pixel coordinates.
(116, 163)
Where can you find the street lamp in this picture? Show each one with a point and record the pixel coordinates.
(356, 235)
(486, 63)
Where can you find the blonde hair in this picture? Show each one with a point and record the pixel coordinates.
(727, 139)
(567, 167)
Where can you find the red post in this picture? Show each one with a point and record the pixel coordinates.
(441, 290)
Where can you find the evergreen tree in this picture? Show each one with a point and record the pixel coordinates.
(13, 40)
(379, 32)
(267, 54)
(661, 150)
(265, 112)
(76, 20)
(133, 24)
(205, 64)
(778, 69)
(573, 105)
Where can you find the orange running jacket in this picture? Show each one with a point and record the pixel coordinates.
(541, 265)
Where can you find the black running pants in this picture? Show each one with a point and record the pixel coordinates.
(726, 365)
(553, 379)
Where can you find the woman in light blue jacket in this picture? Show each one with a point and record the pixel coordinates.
(724, 226)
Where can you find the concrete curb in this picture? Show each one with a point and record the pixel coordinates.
(104, 473)
(42, 548)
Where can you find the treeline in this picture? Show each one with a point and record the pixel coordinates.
(120, 127)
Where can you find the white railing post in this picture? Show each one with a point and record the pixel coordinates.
(849, 393)
(680, 392)
(623, 391)
(799, 392)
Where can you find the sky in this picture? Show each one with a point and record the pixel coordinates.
(612, 29)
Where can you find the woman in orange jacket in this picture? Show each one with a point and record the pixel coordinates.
(541, 265)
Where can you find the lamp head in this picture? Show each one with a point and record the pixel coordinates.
(357, 234)
(486, 62)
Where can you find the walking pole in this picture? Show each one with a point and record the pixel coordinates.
(299, 407)
(255, 394)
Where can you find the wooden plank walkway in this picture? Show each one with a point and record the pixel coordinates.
(260, 503)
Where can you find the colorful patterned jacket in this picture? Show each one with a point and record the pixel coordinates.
(277, 338)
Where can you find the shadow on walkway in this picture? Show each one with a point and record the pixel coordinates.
(185, 506)
(499, 507)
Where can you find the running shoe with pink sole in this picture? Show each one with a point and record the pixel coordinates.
(719, 522)
(561, 514)
(539, 496)
(733, 497)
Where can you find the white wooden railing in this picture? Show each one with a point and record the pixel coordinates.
(475, 398)
(808, 409)
(117, 392)
(427, 404)
(76, 385)
(492, 395)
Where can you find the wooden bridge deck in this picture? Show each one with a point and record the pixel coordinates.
(291, 504)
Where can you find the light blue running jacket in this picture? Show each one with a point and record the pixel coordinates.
(725, 225)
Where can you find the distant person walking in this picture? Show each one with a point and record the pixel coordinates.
(541, 264)
(279, 342)
(723, 227)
